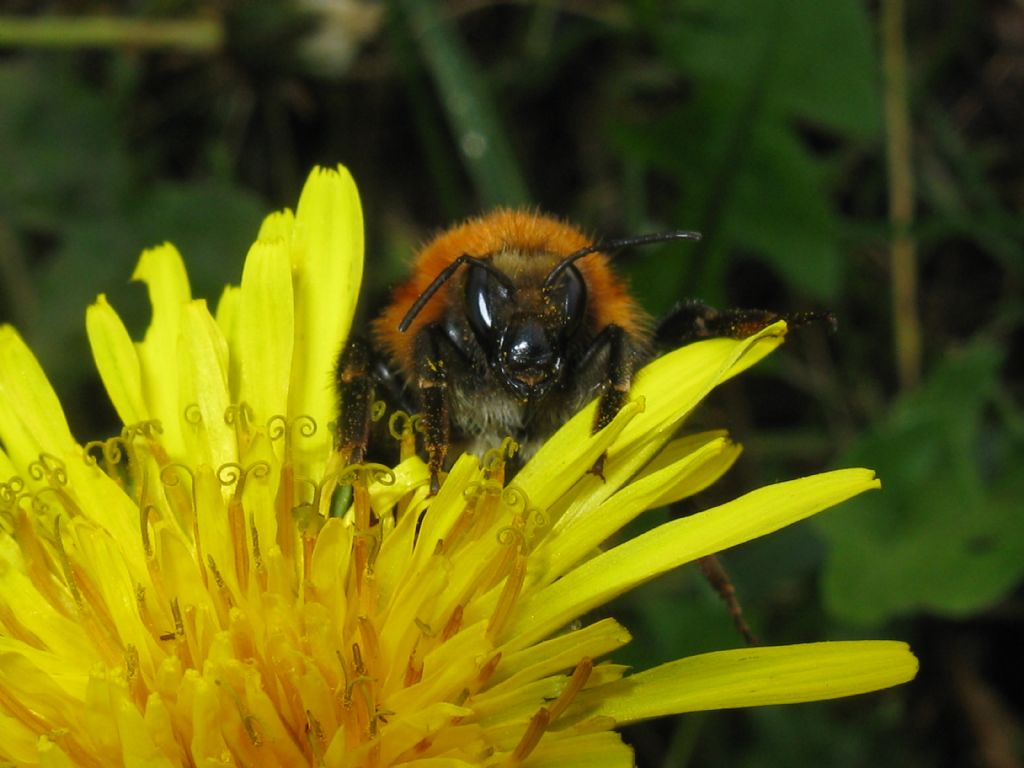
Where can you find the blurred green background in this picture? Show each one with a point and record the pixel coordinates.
(834, 160)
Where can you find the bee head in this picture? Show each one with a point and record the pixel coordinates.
(524, 325)
(521, 306)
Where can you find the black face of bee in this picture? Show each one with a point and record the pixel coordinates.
(524, 330)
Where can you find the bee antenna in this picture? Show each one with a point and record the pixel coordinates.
(615, 245)
(443, 277)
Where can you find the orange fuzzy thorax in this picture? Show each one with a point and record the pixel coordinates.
(503, 230)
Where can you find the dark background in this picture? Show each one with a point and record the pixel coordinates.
(762, 124)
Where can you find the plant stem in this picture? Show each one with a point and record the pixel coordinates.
(199, 35)
(903, 251)
(468, 103)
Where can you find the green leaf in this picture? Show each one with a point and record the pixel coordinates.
(778, 209)
(944, 535)
(827, 72)
(815, 61)
(469, 106)
(759, 74)
(62, 148)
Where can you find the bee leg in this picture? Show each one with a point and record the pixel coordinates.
(692, 320)
(432, 383)
(618, 378)
(714, 573)
(716, 576)
(354, 382)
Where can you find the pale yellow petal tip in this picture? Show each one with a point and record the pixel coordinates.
(867, 478)
(778, 329)
(904, 660)
(9, 334)
(336, 188)
(320, 184)
(159, 258)
(321, 174)
(331, 214)
(277, 226)
(328, 182)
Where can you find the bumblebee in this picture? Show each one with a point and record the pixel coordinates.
(509, 324)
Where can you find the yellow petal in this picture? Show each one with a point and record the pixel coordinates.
(569, 454)
(445, 509)
(227, 317)
(34, 679)
(750, 677)
(137, 745)
(19, 741)
(7, 472)
(52, 756)
(266, 329)
(327, 264)
(59, 684)
(103, 502)
(213, 523)
(163, 272)
(31, 418)
(160, 728)
(604, 750)
(103, 560)
(722, 457)
(279, 741)
(204, 386)
(591, 750)
(116, 361)
(410, 474)
(611, 573)
(34, 614)
(557, 654)
(426, 723)
(208, 747)
(101, 696)
(578, 533)
(675, 383)
(331, 558)
(277, 226)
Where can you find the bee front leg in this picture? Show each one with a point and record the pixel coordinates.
(693, 320)
(432, 384)
(354, 382)
(618, 378)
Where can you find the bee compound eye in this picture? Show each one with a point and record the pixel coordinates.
(569, 295)
(486, 296)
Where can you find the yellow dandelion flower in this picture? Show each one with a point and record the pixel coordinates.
(188, 592)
